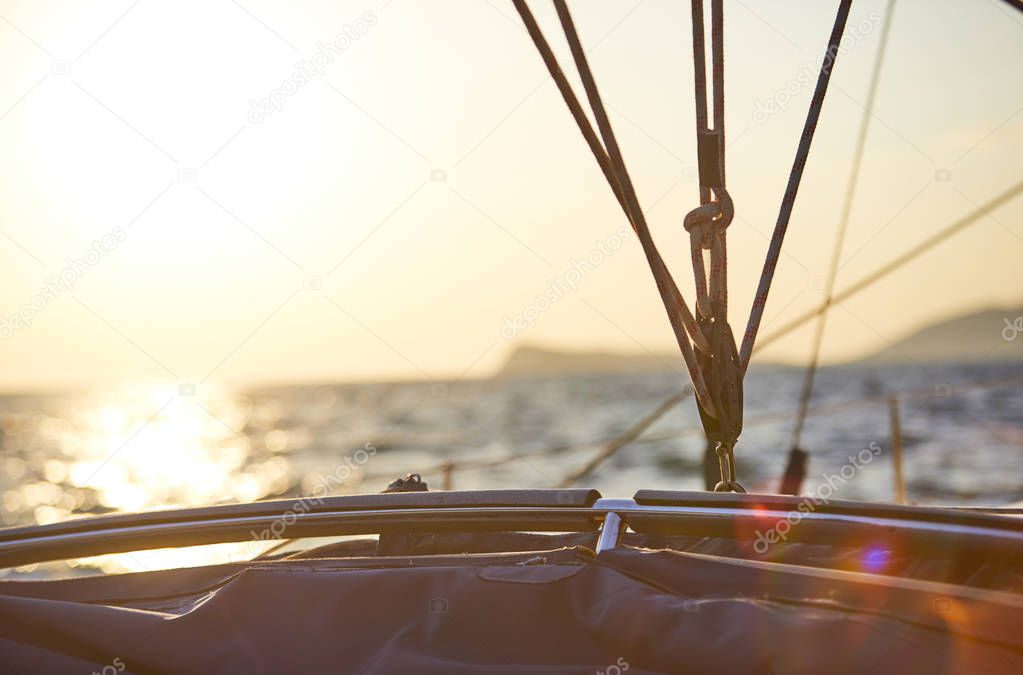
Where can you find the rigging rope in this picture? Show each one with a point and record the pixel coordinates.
(706, 225)
(609, 158)
(715, 366)
(836, 253)
(623, 439)
(795, 176)
(870, 279)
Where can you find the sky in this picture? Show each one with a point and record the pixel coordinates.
(255, 192)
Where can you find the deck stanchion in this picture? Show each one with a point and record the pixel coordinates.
(900, 483)
(448, 471)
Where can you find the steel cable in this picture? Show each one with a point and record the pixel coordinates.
(843, 225)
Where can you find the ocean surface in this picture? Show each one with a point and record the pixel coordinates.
(159, 446)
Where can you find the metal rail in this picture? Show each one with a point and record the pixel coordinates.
(694, 514)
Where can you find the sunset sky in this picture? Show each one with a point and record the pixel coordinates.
(424, 181)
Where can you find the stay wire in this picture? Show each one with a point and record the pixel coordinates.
(843, 226)
(792, 188)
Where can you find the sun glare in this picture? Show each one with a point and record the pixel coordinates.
(145, 447)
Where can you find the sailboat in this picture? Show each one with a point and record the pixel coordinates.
(558, 580)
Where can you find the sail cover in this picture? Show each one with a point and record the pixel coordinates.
(556, 611)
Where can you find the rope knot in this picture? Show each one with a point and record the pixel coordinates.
(699, 223)
(710, 219)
